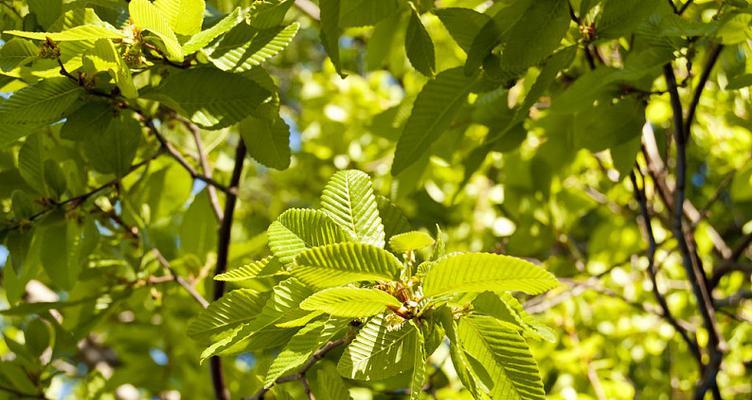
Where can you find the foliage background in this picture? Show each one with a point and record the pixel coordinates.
(564, 201)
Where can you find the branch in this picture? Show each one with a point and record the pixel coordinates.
(684, 7)
(734, 299)
(695, 275)
(641, 198)
(308, 7)
(182, 282)
(741, 247)
(727, 268)
(310, 362)
(692, 110)
(204, 162)
(223, 247)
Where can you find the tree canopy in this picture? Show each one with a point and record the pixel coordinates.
(376, 199)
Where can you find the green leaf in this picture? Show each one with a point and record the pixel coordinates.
(535, 36)
(418, 375)
(379, 351)
(463, 24)
(17, 52)
(269, 13)
(147, 16)
(37, 336)
(341, 263)
(255, 269)
(113, 151)
(409, 241)
(436, 106)
(382, 42)
(231, 310)
(270, 138)
(393, 218)
(184, 16)
(67, 246)
(89, 120)
(504, 355)
(494, 32)
(457, 354)
(54, 177)
(349, 200)
(330, 31)
(76, 33)
(31, 159)
(198, 231)
(245, 47)
(22, 205)
(326, 383)
(40, 104)
(282, 306)
(350, 302)
(607, 125)
(301, 346)
(365, 12)
(623, 17)
(505, 307)
(479, 272)
(45, 11)
(419, 46)
(211, 98)
(104, 57)
(299, 229)
(203, 38)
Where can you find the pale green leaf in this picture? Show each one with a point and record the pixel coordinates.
(184, 16)
(269, 13)
(83, 32)
(418, 375)
(16, 52)
(341, 263)
(147, 16)
(31, 157)
(504, 355)
(255, 269)
(231, 310)
(104, 57)
(245, 47)
(203, 38)
(350, 302)
(296, 230)
(326, 383)
(436, 106)
(480, 272)
(211, 98)
(505, 307)
(301, 346)
(409, 241)
(198, 230)
(349, 200)
(379, 351)
(458, 355)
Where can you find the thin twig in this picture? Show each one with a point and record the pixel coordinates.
(692, 110)
(684, 7)
(179, 279)
(205, 166)
(641, 198)
(223, 247)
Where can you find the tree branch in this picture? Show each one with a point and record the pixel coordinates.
(179, 279)
(695, 275)
(310, 362)
(205, 166)
(223, 247)
(684, 7)
(692, 110)
(641, 198)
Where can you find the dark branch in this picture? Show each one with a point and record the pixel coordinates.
(182, 282)
(641, 198)
(223, 247)
(692, 110)
(684, 7)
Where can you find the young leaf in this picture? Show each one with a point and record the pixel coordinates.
(458, 355)
(16, 52)
(198, 230)
(419, 46)
(245, 47)
(504, 355)
(203, 38)
(184, 16)
(349, 200)
(270, 13)
(146, 15)
(31, 159)
(255, 269)
(299, 229)
(231, 310)
(301, 346)
(505, 307)
(76, 33)
(379, 351)
(271, 139)
(436, 106)
(211, 98)
(104, 57)
(418, 375)
(392, 217)
(341, 263)
(326, 383)
(479, 272)
(409, 241)
(350, 302)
